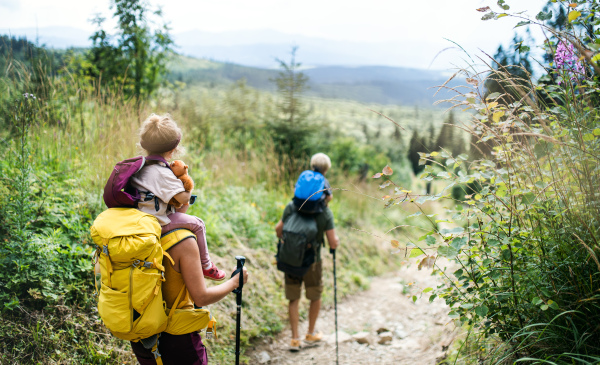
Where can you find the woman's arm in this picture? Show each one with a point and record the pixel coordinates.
(187, 261)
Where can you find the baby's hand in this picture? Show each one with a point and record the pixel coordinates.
(175, 203)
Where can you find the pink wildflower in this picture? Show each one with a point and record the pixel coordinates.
(566, 59)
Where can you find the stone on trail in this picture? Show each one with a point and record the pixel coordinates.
(400, 333)
(380, 330)
(385, 338)
(263, 358)
(363, 338)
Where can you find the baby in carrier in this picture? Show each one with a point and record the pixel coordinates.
(158, 185)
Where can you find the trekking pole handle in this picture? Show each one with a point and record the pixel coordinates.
(332, 251)
(241, 261)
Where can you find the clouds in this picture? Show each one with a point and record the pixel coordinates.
(9, 5)
(43, 13)
(417, 28)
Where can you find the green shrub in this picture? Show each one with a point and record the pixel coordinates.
(41, 252)
(525, 241)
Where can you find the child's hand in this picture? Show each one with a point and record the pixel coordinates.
(183, 208)
(175, 203)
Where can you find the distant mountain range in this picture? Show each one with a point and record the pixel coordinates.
(54, 37)
(337, 69)
(368, 84)
(260, 48)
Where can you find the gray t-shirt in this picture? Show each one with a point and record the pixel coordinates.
(159, 180)
(324, 223)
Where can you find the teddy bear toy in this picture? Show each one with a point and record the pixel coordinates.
(180, 169)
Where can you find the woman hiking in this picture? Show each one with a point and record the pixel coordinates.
(160, 135)
(185, 349)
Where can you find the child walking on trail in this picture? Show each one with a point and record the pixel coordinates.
(160, 136)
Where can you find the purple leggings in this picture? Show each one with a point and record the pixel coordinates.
(194, 224)
(174, 350)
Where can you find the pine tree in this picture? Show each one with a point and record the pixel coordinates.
(414, 147)
(397, 136)
(446, 137)
(291, 84)
(290, 130)
(513, 68)
(432, 138)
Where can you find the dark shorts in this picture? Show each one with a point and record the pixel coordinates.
(313, 284)
(174, 350)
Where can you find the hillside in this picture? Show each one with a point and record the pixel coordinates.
(343, 72)
(367, 84)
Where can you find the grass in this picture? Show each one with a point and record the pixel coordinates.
(242, 192)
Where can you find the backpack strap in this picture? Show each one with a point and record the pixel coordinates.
(211, 328)
(109, 268)
(177, 300)
(157, 356)
(171, 238)
(156, 158)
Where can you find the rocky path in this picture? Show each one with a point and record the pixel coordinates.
(381, 325)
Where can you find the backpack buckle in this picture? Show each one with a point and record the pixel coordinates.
(209, 331)
(154, 349)
(105, 250)
(146, 264)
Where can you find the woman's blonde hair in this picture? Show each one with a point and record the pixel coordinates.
(320, 162)
(160, 134)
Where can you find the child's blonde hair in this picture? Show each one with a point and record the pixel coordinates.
(160, 134)
(320, 162)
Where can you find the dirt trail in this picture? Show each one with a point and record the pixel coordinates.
(420, 332)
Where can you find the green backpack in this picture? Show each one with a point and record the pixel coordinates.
(297, 249)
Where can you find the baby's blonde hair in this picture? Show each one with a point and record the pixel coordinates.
(160, 134)
(320, 162)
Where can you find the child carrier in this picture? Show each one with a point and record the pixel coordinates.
(118, 192)
(309, 193)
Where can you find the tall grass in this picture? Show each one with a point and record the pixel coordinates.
(526, 238)
(79, 132)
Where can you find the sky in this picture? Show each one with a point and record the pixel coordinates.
(419, 26)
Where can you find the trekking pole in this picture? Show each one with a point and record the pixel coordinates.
(241, 260)
(337, 353)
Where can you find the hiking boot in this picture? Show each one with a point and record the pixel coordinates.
(295, 345)
(312, 338)
(214, 273)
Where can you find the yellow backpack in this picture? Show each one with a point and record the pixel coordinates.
(130, 254)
